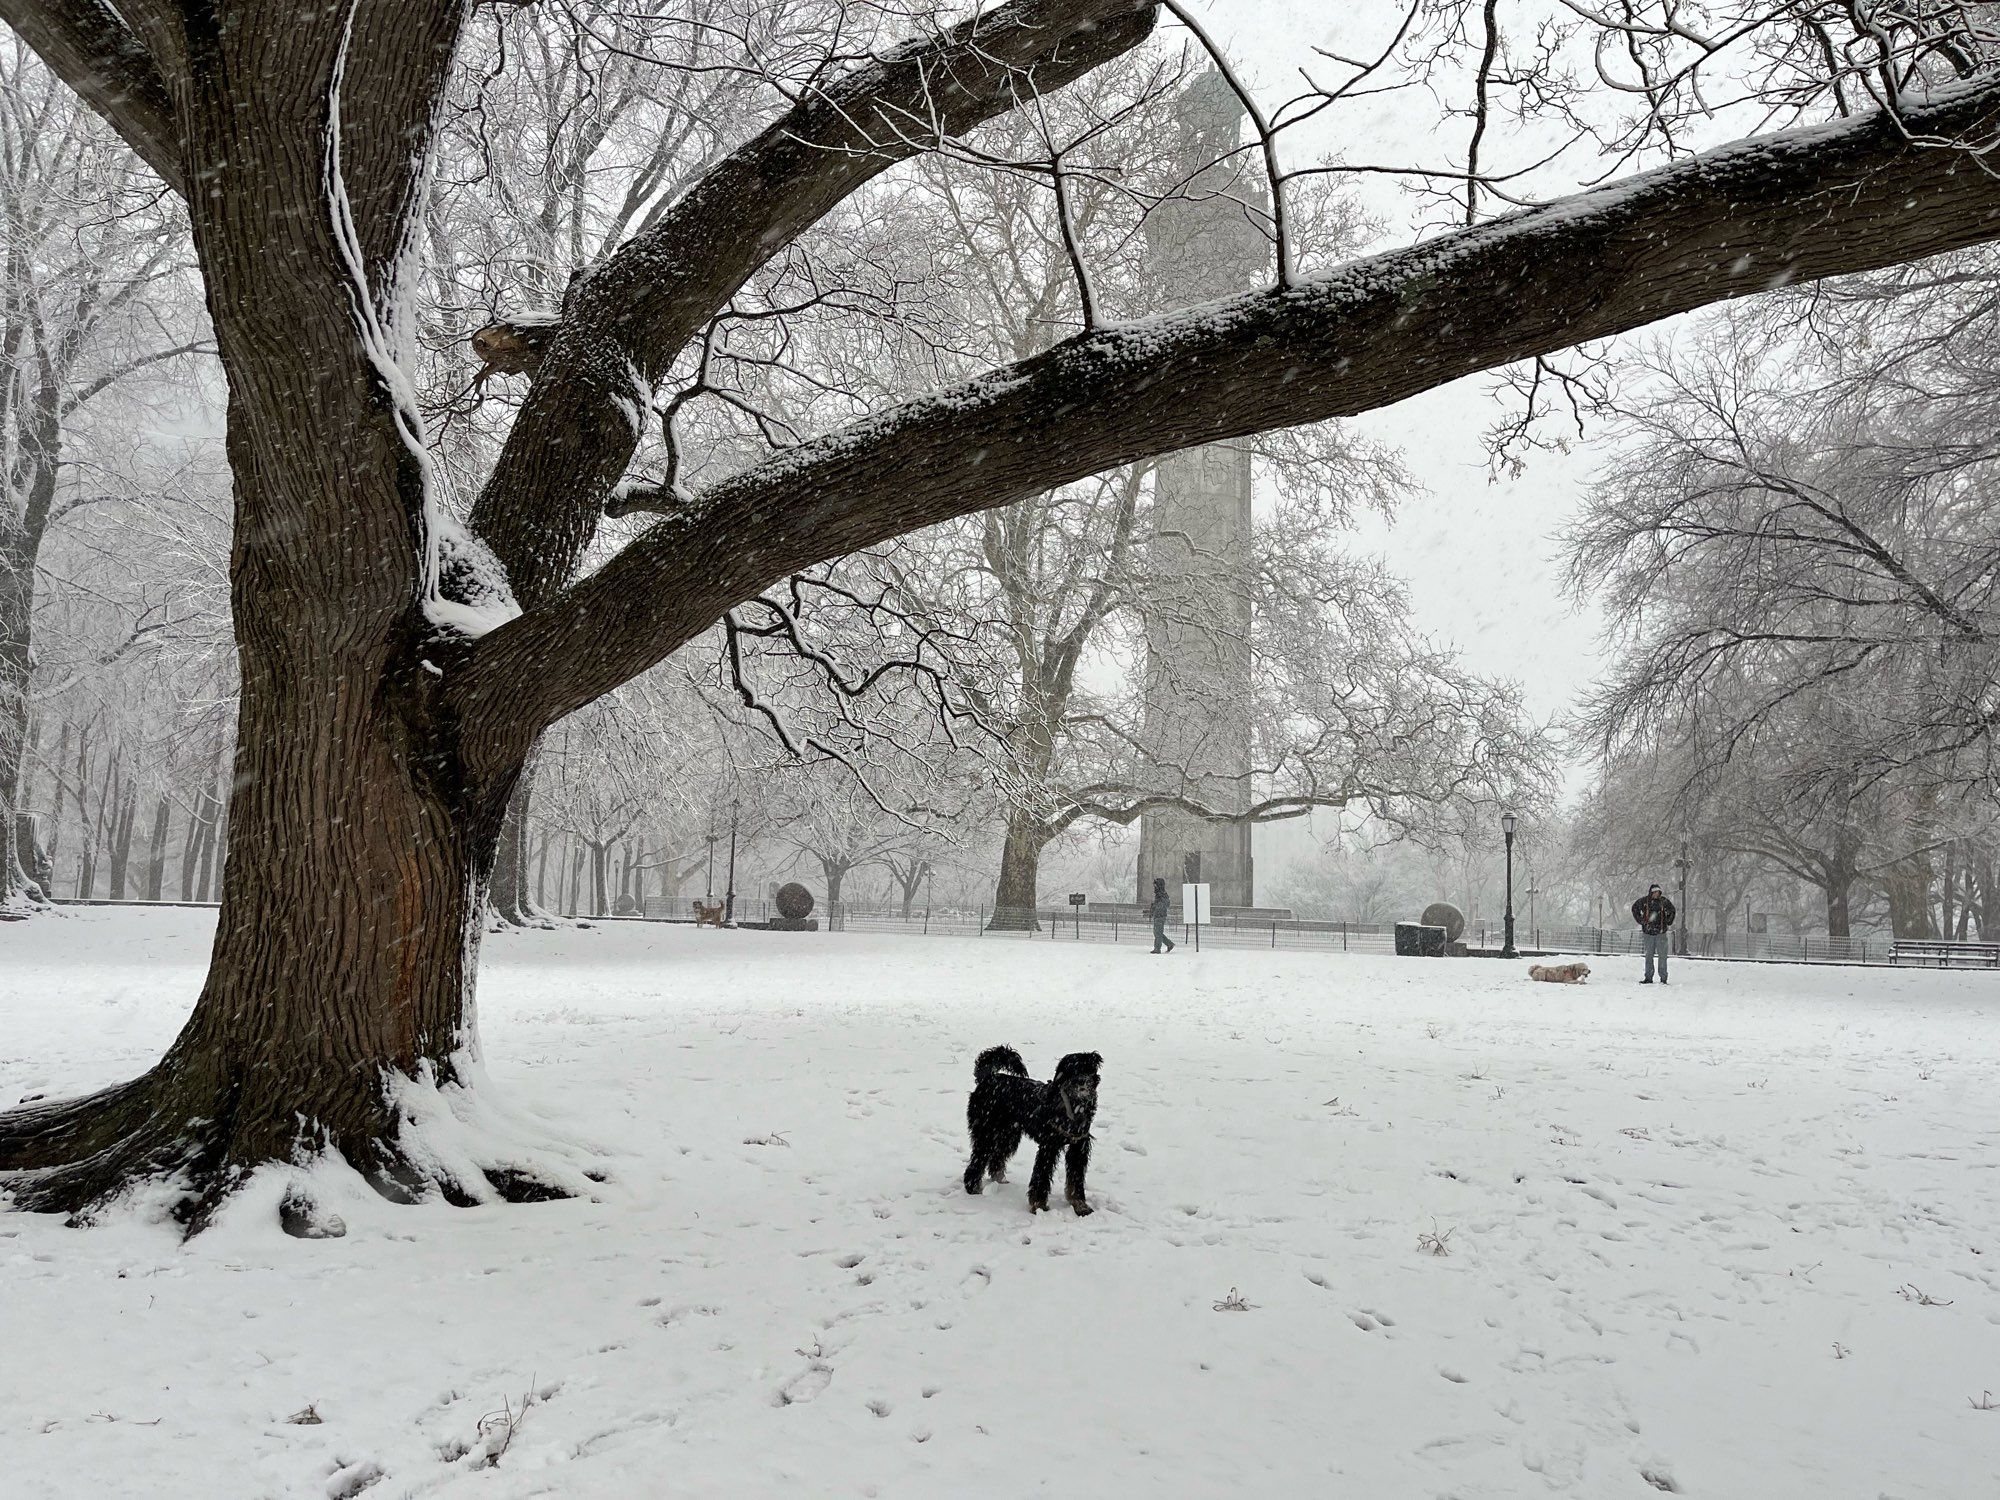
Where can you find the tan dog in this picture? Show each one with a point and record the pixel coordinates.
(1559, 973)
(707, 913)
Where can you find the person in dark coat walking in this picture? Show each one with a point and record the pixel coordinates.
(1159, 911)
(1655, 915)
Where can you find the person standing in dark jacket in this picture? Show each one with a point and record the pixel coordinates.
(1655, 915)
(1159, 911)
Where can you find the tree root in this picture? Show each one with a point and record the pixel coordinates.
(422, 1142)
(64, 1132)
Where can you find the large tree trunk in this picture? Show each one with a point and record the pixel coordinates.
(211, 840)
(511, 904)
(121, 841)
(89, 830)
(836, 876)
(340, 975)
(600, 862)
(358, 850)
(17, 891)
(1837, 893)
(156, 848)
(191, 842)
(1015, 896)
(37, 443)
(1908, 887)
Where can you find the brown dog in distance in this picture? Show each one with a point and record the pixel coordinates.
(1559, 973)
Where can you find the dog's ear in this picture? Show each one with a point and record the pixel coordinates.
(1078, 1065)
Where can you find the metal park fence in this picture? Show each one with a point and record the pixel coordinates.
(1753, 946)
(1071, 924)
(1129, 924)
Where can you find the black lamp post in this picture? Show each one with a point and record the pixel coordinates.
(1534, 932)
(729, 907)
(1681, 867)
(1507, 949)
(713, 839)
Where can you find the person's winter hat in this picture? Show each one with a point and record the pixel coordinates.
(1652, 888)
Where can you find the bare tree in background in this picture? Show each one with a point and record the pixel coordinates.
(403, 666)
(1803, 575)
(88, 241)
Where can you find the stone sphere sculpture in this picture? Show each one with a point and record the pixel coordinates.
(794, 901)
(1444, 914)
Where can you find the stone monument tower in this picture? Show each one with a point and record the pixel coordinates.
(1209, 243)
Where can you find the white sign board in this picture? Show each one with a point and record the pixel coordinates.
(1194, 904)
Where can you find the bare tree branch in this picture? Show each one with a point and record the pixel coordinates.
(88, 45)
(1822, 201)
(626, 321)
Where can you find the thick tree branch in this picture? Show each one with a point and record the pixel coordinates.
(626, 322)
(1824, 201)
(89, 47)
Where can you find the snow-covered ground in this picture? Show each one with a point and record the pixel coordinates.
(1737, 1238)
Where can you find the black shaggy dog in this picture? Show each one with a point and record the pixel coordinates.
(1007, 1104)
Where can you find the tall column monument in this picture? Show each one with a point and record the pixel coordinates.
(1207, 244)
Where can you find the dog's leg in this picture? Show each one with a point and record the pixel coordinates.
(1042, 1178)
(1001, 1153)
(975, 1170)
(1076, 1160)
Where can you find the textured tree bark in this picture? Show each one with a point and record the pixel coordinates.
(358, 849)
(1017, 891)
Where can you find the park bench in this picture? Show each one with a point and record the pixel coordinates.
(1944, 953)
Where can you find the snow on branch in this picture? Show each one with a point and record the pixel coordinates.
(640, 309)
(1742, 219)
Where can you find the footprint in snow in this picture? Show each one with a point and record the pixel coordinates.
(350, 1480)
(808, 1385)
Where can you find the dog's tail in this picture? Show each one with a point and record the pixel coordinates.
(998, 1060)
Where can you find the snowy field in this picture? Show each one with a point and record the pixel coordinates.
(1738, 1238)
